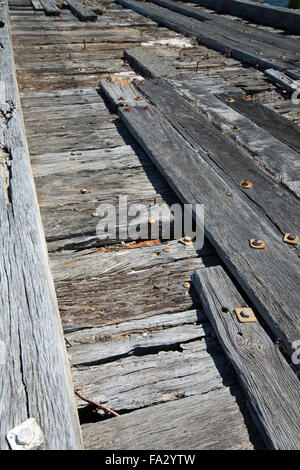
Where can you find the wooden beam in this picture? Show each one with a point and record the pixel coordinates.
(281, 128)
(83, 12)
(272, 154)
(37, 5)
(231, 220)
(205, 422)
(35, 374)
(270, 15)
(262, 54)
(272, 388)
(283, 80)
(277, 202)
(149, 64)
(50, 7)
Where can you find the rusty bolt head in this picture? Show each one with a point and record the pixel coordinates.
(257, 243)
(291, 238)
(245, 313)
(246, 184)
(146, 108)
(138, 98)
(230, 100)
(127, 110)
(247, 98)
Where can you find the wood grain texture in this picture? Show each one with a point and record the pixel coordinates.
(35, 357)
(276, 125)
(277, 17)
(149, 64)
(282, 79)
(229, 223)
(280, 206)
(270, 384)
(82, 11)
(272, 154)
(50, 7)
(232, 26)
(260, 54)
(209, 421)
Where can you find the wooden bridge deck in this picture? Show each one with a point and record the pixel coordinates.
(136, 333)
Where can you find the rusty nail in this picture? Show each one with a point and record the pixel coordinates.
(167, 249)
(187, 285)
(146, 108)
(138, 98)
(127, 110)
(230, 100)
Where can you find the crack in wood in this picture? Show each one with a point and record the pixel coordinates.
(6, 174)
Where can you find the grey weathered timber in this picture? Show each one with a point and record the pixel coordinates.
(35, 375)
(276, 125)
(270, 15)
(275, 156)
(209, 421)
(149, 64)
(100, 348)
(134, 382)
(142, 282)
(247, 32)
(83, 12)
(283, 80)
(230, 221)
(272, 388)
(263, 55)
(37, 5)
(280, 206)
(50, 7)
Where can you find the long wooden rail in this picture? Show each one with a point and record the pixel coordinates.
(35, 380)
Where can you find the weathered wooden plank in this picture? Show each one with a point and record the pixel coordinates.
(283, 80)
(271, 153)
(50, 7)
(230, 221)
(281, 128)
(138, 381)
(271, 386)
(270, 15)
(35, 358)
(280, 206)
(155, 277)
(247, 32)
(149, 64)
(265, 56)
(37, 5)
(209, 421)
(83, 12)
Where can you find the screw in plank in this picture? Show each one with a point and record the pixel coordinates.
(258, 243)
(291, 238)
(246, 184)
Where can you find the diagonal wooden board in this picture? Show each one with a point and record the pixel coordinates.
(261, 54)
(50, 7)
(34, 369)
(281, 207)
(271, 15)
(247, 32)
(83, 12)
(271, 386)
(229, 221)
(272, 154)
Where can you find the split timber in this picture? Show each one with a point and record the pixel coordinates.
(135, 328)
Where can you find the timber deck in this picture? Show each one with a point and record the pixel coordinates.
(141, 329)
